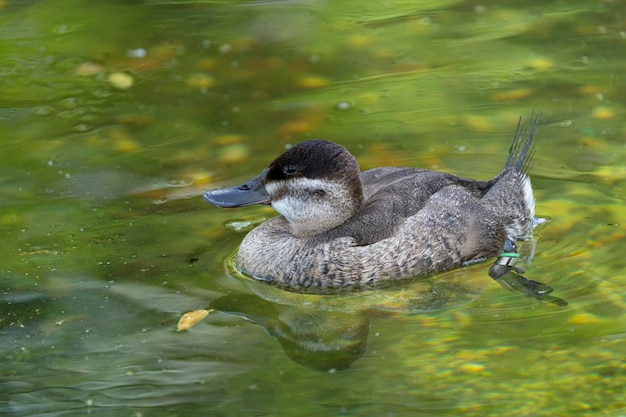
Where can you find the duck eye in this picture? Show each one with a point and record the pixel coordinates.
(289, 170)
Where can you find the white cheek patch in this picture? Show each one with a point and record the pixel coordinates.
(294, 198)
(292, 209)
(296, 185)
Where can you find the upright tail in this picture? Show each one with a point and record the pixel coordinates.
(522, 151)
(511, 193)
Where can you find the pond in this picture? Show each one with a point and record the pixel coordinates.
(116, 117)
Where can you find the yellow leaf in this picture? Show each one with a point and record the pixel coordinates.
(190, 319)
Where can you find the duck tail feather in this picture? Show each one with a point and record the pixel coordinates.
(522, 149)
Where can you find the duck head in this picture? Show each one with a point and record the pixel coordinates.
(316, 185)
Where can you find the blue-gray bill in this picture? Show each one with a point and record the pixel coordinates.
(246, 194)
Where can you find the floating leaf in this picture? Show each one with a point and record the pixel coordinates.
(190, 319)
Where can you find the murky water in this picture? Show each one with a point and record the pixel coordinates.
(114, 118)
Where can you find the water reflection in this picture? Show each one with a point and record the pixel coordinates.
(321, 340)
(330, 332)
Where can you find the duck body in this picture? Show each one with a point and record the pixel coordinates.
(339, 227)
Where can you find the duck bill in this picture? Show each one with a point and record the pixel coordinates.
(246, 194)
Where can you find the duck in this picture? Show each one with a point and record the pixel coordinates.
(339, 227)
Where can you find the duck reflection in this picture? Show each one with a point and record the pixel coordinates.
(321, 340)
(330, 332)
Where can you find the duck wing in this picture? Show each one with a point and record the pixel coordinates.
(393, 195)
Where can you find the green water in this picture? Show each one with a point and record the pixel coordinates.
(115, 117)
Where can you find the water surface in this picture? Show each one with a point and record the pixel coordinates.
(116, 116)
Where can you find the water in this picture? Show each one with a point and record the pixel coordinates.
(115, 117)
